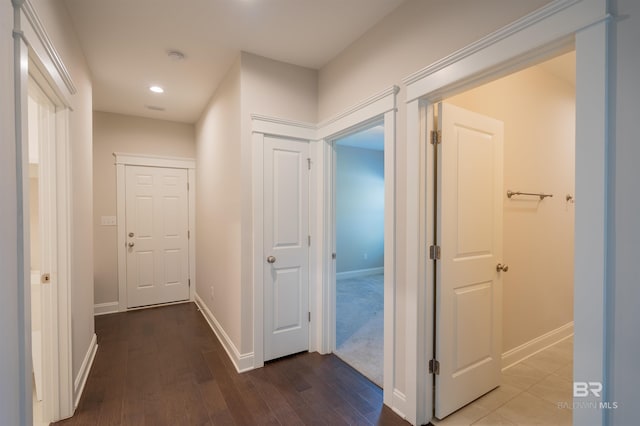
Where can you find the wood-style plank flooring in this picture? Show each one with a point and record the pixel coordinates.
(164, 366)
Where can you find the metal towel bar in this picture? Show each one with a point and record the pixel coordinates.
(511, 193)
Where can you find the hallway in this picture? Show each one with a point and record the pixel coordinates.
(164, 366)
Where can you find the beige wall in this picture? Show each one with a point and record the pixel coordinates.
(218, 204)
(133, 135)
(412, 37)
(538, 111)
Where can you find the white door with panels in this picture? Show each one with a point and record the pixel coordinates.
(469, 247)
(157, 234)
(286, 247)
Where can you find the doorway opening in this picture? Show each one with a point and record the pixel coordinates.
(359, 196)
(535, 279)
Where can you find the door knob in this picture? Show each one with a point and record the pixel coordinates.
(131, 244)
(501, 267)
(131, 234)
(271, 259)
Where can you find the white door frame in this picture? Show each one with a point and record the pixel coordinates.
(528, 40)
(36, 56)
(124, 159)
(262, 126)
(380, 107)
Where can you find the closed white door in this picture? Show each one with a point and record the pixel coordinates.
(286, 247)
(469, 232)
(157, 226)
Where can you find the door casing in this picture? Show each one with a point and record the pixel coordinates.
(550, 30)
(124, 159)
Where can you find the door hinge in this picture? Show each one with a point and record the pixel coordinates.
(434, 252)
(334, 256)
(188, 234)
(309, 316)
(436, 137)
(189, 281)
(309, 163)
(309, 240)
(434, 366)
(187, 186)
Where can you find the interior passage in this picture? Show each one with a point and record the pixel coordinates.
(164, 366)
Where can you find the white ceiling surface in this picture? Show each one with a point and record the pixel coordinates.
(125, 44)
(371, 138)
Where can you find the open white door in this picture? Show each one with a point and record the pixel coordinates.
(469, 233)
(157, 226)
(286, 247)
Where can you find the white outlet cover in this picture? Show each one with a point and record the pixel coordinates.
(108, 221)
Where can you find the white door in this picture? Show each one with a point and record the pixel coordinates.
(286, 247)
(157, 226)
(469, 233)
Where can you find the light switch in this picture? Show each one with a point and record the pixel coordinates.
(108, 221)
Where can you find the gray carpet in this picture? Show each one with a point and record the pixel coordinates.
(360, 324)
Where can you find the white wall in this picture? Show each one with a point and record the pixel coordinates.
(218, 205)
(10, 333)
(134, 135)
(412, 37)
(538, 111)
(623, 289)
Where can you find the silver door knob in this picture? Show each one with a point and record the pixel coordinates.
(501, 267)
(131, 244)
(271, 259)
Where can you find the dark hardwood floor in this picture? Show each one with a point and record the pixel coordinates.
(164, 366)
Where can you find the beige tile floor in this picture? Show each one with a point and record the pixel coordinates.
(530, 394)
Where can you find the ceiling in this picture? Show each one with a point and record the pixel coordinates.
(370, 138)
(126, 42)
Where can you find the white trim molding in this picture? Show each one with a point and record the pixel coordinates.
(36, 57)
(281, 127)
(380, 107)
(50, 50)
(81, 379)
(105, 308)
(122, 160)
(548, 31)
(242, 362)
(363, 111)
(533, 346)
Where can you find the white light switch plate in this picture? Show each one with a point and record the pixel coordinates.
(108, 221)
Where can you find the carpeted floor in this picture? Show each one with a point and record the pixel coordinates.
(360, 325)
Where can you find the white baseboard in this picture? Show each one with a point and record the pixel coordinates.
(532, 347)
(399, 403)
(85, 368)
(105, 308)
(242, 362)
(360, 273)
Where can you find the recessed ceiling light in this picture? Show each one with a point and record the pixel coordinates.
(156, 89)
(155, 108)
